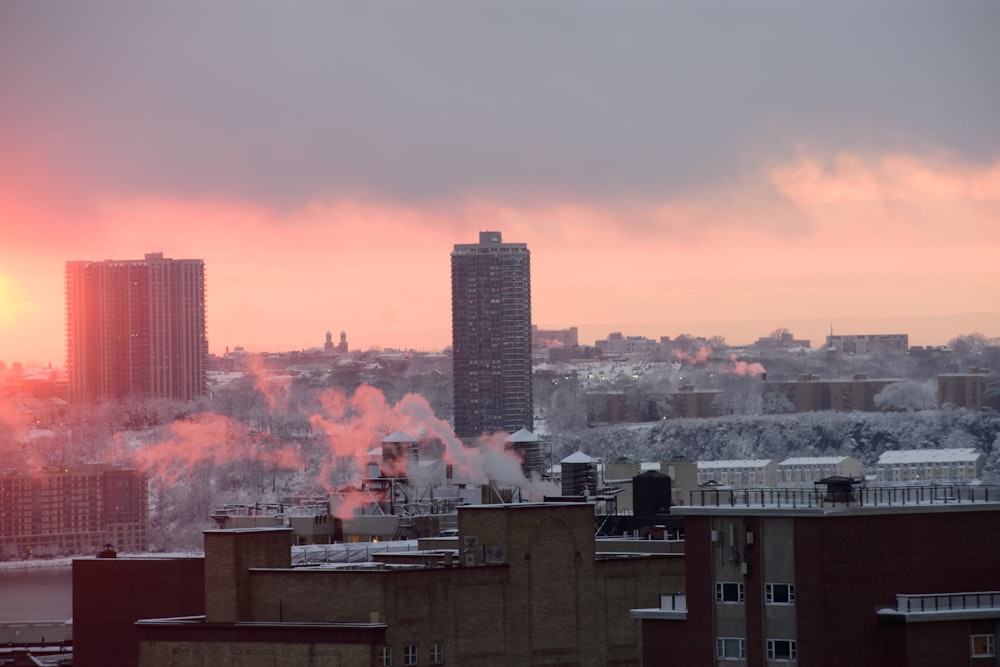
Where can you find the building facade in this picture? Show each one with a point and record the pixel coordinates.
(739, 473)
(72, 510)
(136, 328)
(966, 390)
(491, 336)
(868, 343)
(891, 576)
(807, 470)
(958, 464)
(810, 393)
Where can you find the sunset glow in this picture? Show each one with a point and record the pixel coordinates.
(325, 198)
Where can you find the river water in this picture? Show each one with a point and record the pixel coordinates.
(36, 593)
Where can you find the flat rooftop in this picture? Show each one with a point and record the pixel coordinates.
(858, 500)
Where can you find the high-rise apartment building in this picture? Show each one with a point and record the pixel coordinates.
(136, 328)
(491, 336)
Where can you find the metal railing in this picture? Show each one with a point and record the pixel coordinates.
(934, 494)
(673, 602)
(909, 604)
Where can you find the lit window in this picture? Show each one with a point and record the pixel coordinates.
(781, 649)
(728, 591)
(410, 654)
(982, 646)
(437, 653)
(779, 593)
(384, 656)
(730, 648)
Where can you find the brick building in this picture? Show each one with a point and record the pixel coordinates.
(966, 390)
(72, 510)
(810, 393)
(524, 584)
(896, 576)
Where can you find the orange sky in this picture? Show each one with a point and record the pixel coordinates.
(670, 166)
(895, 245)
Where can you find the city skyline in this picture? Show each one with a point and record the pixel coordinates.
(674, 167)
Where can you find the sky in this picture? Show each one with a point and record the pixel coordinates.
(706, 167)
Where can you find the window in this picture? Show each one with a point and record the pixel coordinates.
(495, 555)
(384, 656)
(728, 591)
(779, 593)
(437, 653)
(410, 654)
(781, 649)
(982, 646)
(730, 648)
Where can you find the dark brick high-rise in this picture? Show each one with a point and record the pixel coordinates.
(491, 336)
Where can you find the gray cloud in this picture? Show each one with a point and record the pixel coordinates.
(287, 102)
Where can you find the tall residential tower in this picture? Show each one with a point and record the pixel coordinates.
(136, 328)
(491, 336)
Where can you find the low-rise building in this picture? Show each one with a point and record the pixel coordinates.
(959, 464)
(868, 343)
(807, 470)
(738, 473)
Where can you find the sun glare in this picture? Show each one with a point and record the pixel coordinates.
(6, 300)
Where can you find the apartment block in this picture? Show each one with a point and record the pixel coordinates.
(491, 336)
(807, 470)
(959, 464)
(966, 390)
(868, 343)
(810, 393)
(136, 328)
(72, 510)
(738, 473)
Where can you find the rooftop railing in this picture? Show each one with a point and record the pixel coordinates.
(911, 604)
(879, 496)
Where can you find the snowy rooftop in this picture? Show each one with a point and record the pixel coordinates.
(813, 460)
(399, 436)
(739, 463)
(958, 454)
(578, 457)
(524, 435)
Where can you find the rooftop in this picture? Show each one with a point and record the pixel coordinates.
(841, 499)
(956, 454)
(813, 460)
(735, 463)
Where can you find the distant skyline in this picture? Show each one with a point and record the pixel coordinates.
(709, 168)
